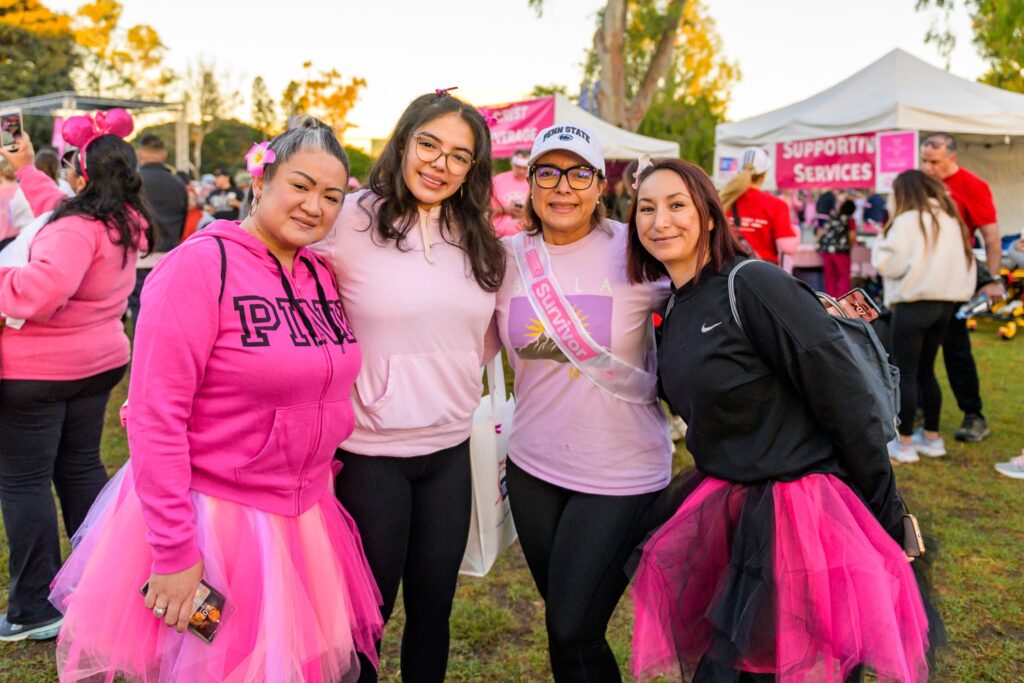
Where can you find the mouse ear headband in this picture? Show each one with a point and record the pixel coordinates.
(79, 131)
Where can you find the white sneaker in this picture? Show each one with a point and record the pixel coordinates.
(1014, 468)
(902, 454)
(933, 448)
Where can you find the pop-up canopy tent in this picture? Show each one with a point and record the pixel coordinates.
(518, 123)
(902, 92)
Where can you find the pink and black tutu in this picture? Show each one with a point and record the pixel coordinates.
(301, 601)
(794, 579)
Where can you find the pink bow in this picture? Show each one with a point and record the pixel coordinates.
(444, 91)
(79, 131)
(489, 118)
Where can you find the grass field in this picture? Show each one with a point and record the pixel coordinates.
(977, 515)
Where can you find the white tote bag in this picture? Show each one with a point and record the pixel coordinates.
(491, 529)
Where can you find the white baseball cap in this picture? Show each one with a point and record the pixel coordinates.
(756, 158)
(569, 137)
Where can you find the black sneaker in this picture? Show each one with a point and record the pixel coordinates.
(11, 633)
(973, 428)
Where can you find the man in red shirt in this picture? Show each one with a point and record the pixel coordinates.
(974, 200)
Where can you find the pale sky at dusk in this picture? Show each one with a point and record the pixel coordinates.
(497, 50)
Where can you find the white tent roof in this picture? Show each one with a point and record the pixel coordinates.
(897, 91)
(616, 142)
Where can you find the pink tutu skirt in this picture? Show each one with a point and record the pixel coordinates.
(794, 579)
(300, 598)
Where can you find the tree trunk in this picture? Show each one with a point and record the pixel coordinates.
(656, 70)
(611, 96)
(197, 151)
(609, 46)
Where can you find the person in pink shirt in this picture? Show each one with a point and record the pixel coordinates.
(511, 189)
(418, 266)
(59, 362)
(590, 446)
(244, 360)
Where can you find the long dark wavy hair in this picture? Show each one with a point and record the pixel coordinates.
(718, 245)
(113, 195)
(915, 190)
(393, 212)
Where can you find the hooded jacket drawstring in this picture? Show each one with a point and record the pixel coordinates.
(323, 300)
(425, 220)
(290, 293)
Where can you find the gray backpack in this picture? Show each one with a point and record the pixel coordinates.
(882, 378)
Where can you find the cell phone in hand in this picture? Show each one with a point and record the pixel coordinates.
(913, 541)
(207, 610)
(11, 125)
(857, 304)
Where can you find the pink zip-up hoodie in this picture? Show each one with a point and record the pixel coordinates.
(72, 294)
(240, 385)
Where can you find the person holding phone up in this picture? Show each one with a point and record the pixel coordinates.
(62, 350)
(244, 361)
(781, 556)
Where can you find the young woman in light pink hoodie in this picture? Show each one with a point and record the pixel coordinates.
(418, 266)
(60, 361)
(239, 394)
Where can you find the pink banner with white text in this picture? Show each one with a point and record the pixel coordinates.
(517, 124)
(843, 161)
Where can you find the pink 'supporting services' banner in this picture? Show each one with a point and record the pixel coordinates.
(840, 161)
(517, 124)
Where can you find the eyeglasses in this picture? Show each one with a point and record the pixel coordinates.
(428, 151)
(579, 177)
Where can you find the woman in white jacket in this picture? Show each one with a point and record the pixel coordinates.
(927, 265)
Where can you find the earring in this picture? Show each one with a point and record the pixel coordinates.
(461, 193)
(255, 205)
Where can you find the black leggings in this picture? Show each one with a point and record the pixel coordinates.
(413, 517)
(960, 367)
(917, 331)
(49, 432)
(576, 545)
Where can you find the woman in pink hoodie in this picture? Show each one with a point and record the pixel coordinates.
(239, 394)
(418, 266)
(62, 350)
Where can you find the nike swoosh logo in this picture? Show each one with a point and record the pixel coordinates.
(707, 328)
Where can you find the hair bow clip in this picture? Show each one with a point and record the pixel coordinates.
(441, 92)
(642, 164)
(489, 118)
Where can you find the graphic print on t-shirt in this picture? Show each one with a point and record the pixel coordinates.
(530, 342)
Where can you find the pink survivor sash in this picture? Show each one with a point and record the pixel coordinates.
(562, 326)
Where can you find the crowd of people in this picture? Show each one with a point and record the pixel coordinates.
(306, 363)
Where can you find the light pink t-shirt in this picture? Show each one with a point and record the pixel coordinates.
(508, 192)
(567, 431)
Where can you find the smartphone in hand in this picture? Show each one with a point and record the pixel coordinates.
(11, 125)
(207, 610)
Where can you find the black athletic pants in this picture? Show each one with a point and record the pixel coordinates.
(49, 432)
(576, 545)
(413, 517)
(960, 367)
(917, 332)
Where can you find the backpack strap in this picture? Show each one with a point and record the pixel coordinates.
(223, 268)
(732, 290)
